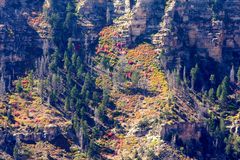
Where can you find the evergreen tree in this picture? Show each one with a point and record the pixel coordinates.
(92, 149)
(67, 62)
(19, 87)
(74, 92)
(238, 75)
(79, 62)
(78, 106)
(69, 79)
(16, 151)
(83, 135)
(211, 94)
(105, 99)
(212, 80)
(194, 74)
(53, 5)
(185, 79)
(225, 89)
(222, 125)
(105, 62)
(219, 91)
(83, 113)
(95, 97)
(67, 104)
(80, 72)
(74, 60)
(30, 80)
(101, 113)
(85, 86)
(76, 122)
(96, 132)
(236, 146)
(70, 17)
(70, 46)
(135, 78)
(56, 61)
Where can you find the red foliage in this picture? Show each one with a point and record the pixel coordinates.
(129, 75)
(17, 124)
(17, 114)
(24, 82)
(130, 62)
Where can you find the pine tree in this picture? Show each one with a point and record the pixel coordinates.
(222, 125)
(219, 91)
(70, 17)
(53, 5)
(135, 78)
(79, 62)
(85, 86)
(95, 97)
(212, 80)
(69, 79)
(80, 72)
(83, 135)
(78, 106)
(238, 75)
(225, 89)
(19, 87)
(56, 60)
(67, 104)
(184, 75)
(16, 151)
(74, 60)
(92, 149)
(211, 94)
(70, 46)
(101, 112)
(105, 99)
(74, 92)
(76, 123)
(30, 80)
(194, 74)
(67, 62)
(105, 62)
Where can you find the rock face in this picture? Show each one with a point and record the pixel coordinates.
(193, 137)
(202, 28)
(49, 133)
(7, 141)
(184, 131)
(20, 43)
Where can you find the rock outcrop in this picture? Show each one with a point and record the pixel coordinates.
(200, 28)
(20, 42)
(184, 131)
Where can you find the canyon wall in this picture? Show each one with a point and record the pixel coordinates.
(20, 39)
(181, 30)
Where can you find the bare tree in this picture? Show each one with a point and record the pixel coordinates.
(2, 86)
(232, 74)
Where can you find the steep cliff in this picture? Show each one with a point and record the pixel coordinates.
(200, 29)
(21, 37)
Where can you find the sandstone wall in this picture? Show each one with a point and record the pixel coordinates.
(213, 33)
